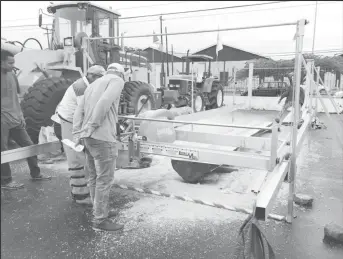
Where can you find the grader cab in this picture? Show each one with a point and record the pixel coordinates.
(45, 75)
(208, 93)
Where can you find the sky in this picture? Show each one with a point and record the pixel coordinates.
(266, 41)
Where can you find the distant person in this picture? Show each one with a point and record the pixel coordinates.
(13, 123)
(289, 101)
(95, 121)
(76, 160)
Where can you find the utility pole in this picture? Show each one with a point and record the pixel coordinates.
(314, 27)
(172, 59)
(162, 64)
(167, 51)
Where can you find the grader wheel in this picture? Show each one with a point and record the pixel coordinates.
(136, 93)
(40, 103)
(191, 172)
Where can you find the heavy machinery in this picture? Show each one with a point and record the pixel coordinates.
(208, 93)
(44, 75)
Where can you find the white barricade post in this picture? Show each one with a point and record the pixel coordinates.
(250, 82)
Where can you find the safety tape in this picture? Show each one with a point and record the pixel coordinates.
(210, 204)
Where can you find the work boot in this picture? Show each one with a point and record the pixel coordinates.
(41, 177)
(112, 214)
(107, 225)
(12, 186)
(86, 201)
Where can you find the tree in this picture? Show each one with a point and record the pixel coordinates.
(271, 68)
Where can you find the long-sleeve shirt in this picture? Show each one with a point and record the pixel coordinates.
(11, 113)
(96, 115)
(289, 95)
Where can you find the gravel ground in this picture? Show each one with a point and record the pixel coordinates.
(40, 221)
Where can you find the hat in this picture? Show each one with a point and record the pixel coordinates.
(96, 70)
(116, 67)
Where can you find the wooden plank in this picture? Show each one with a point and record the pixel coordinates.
(25, 152)
(257, 143)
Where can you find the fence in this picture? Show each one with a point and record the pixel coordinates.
(264, 75)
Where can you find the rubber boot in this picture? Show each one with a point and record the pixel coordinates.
(78, 183)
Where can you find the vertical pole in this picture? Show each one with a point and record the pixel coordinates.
(172, 59)
(117, 31)
(234, 94)
(308, 101)
(274, 144)
(234, 85)
(316, 86)
(165, 28)
(314, 28)
(297, 76)
(192, 88)
(251, 72)
(162, 53)
(309, 78)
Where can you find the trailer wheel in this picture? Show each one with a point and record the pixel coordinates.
(135, 94)
(216, 96)
(191, 172)
(40, 103)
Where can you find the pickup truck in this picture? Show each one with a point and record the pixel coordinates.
(269, 89)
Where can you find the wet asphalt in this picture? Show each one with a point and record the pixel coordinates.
(41, 221)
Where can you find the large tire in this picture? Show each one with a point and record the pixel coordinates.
(216, 96)
(40, 103)
(135, 94)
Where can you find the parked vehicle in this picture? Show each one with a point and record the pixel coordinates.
(269, 89)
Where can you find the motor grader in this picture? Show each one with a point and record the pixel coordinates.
(45, 75)
(208, 93)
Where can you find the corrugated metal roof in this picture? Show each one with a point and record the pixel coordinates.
(230, 46)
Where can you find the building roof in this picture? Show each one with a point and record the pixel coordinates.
(239, 51)
(155, 55)
(198, 58)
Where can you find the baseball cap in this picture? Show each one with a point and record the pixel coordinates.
(96, 70)
(116, 67)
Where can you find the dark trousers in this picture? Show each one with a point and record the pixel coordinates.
(19, 135)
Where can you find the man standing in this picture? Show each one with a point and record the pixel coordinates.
(289, 101)
(13, 123)
(76, 160)
(95, 122)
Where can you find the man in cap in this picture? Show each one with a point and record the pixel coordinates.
(95, 123)
(65, 112)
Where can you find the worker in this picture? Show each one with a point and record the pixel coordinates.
(13, 123)
(76, 160)
(95, 121)
(289, 101)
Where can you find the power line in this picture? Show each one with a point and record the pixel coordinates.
(274, 8)
(203, 10)
(187, 17)
(144, 6)
(126, 8)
